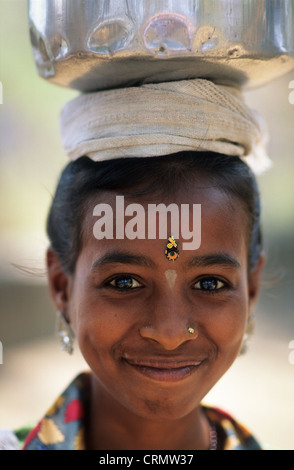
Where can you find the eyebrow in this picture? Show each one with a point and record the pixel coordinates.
(222, 259)
(124, 258)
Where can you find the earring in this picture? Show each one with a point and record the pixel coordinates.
(65, 333)
(248, 334)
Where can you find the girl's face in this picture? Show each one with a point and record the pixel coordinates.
(131, 308)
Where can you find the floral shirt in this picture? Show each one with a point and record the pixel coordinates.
(63, 426)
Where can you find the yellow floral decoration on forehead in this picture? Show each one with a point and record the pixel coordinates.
(171, 249)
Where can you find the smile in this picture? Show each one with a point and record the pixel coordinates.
(164, 371)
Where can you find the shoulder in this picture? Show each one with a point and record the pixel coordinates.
(235, 436)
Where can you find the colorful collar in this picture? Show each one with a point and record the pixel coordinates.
(63, 426)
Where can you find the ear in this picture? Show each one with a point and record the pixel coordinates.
(254, 282)
(59, 282)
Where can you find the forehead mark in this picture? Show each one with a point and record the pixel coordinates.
(171, 276)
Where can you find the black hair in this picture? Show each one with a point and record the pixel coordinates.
(83, 178)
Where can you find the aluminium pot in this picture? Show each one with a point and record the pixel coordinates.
(92, 45)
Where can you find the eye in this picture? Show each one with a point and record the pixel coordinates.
(210, 284)
(124, 283)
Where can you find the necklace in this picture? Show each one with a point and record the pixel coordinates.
(213, 438)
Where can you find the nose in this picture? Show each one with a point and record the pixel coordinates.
(170, 328)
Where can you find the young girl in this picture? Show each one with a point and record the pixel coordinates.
(158, 324)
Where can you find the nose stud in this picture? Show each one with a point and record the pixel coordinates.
(190, 330)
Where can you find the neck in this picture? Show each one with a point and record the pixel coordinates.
(111, 426)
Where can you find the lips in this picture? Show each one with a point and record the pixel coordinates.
(164, 370)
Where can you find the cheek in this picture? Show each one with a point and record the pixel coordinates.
(100, 329)
(95, 330)
(227, 327)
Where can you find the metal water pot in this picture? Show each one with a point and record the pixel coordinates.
(99, 44)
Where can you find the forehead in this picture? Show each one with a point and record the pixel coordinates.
(223, 222)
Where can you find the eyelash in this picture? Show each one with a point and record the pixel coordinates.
(122, 278)
(225, 285)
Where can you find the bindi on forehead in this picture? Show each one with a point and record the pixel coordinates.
(171, 276)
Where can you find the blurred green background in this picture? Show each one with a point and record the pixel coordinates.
(259, 389)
